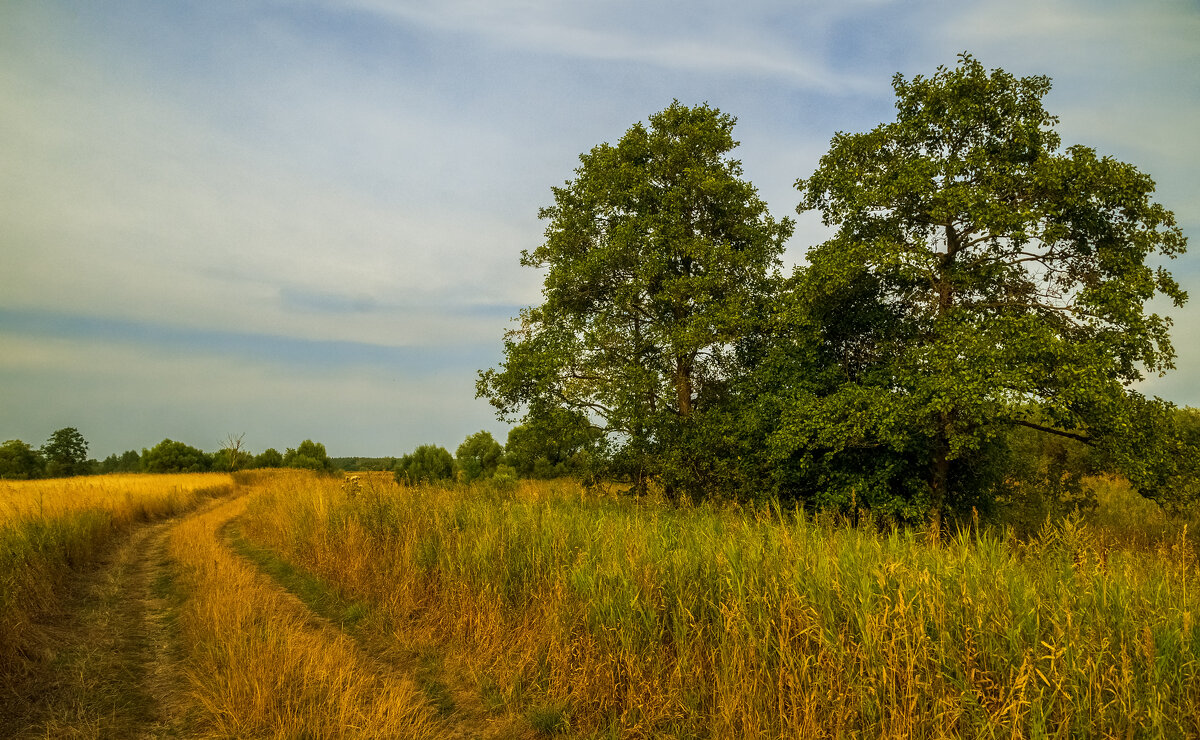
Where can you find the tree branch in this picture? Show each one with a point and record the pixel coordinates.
(1051, 430)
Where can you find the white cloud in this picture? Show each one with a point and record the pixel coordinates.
(118, 202)
(720, 38)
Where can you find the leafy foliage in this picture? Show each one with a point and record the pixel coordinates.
(65, 453)
(655, 254)
(268, 458)
(478, 456)
(128, 462)
(426, 464)
(309, 455)
(19, 461)
(554, 444)
(981, 277)
(169, 456)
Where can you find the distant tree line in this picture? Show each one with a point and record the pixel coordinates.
(561, 449)
(65, 454)
(530, 452)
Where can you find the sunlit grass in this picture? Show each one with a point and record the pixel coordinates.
(50, 529)
(647, 620)
(259, 665)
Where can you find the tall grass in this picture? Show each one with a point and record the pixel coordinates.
(259, 665)
(644, 620)
(50, 529)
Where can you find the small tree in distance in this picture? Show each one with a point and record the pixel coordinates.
(478, 456)
(19, 461)
(309, 455)
(66, 453)
(169, 456)
(426, 464)
(232, 455)
(268, 458)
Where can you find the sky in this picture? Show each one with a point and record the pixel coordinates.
(303, 219)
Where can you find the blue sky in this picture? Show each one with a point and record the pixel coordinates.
(303, 219)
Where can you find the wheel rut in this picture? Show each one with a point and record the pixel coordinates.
(460, 712)
(111, 669)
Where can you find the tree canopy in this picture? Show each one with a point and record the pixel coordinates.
(981, 277)
(19, 461)
(169, 456)
(309, 455)
(65, 453)
(426, 464)
(655, 255)
(478, 456)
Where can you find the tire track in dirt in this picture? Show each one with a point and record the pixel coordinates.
(461, 711)
(111, 671)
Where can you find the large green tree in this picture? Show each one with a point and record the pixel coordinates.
(65, 453)
(981, 276)
(655, 255)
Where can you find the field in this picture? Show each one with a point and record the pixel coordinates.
(52, 529)
(290, 605)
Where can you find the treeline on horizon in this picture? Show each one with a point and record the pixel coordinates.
(480, 456)
(65, 454)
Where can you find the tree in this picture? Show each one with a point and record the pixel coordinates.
(19, 461)
(478, 456)
(268, 458)
(65, 453)
(129, 462)
(169, 456)
(426, 464)
(232, 455)
(553, 445)
(981, 277)
(654, 254)
(308, 455)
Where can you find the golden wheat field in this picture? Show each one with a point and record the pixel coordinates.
(286, 604)
(126, 497)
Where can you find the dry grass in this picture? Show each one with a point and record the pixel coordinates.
(259, 664)
(644, 620)
(53, 529)
(127, 498)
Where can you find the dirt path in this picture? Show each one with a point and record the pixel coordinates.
(111, 671)
(460, 712)
(116, 665)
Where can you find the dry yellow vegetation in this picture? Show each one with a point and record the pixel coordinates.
(500, 611)
(259, 664)
(127, 498)
(611, 617)
(51, 529)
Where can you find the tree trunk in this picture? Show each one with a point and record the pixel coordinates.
(940, 472)
(683, 387)
(941, 477)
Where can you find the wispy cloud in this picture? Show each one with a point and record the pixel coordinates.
(709, 38)
(205, 205)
